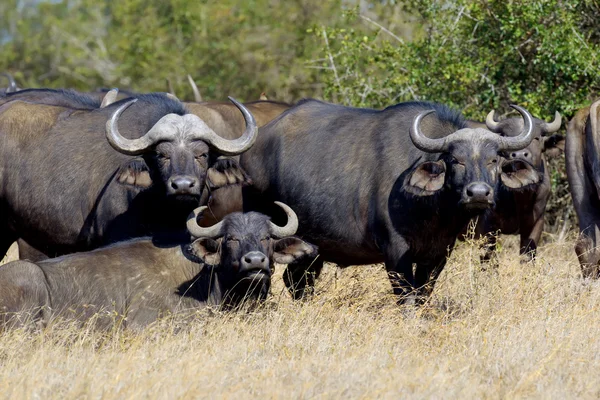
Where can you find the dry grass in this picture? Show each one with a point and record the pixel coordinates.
(523, 330)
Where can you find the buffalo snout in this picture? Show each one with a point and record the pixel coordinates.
(524, 154)
(478, 195)
(183, 185)
(255, 262)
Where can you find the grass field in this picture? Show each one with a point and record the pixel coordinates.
(519, 331)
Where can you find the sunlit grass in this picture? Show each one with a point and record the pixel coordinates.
(518, 330)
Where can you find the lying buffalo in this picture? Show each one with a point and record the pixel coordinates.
(396, 185)
(140, 282)
(65, 188)
(582, 150)
(521, 200)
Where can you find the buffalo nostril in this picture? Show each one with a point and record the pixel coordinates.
(469, 192)
(514, 155)
(192, 184)
(174, 185)
(526, 154)
(247, 260)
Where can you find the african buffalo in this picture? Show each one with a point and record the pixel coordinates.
(582, 150)
(135, 282)
(521, 200)
(64, 189)
(395, 185)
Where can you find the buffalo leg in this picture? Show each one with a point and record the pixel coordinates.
(299, 277)
(490, 246)
(426, 275)
(399, 266)
(588, 252)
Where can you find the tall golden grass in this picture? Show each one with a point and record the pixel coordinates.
(515, 331)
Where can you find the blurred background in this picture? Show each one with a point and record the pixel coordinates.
(471, 54)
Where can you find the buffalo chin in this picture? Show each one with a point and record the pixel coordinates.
(477, 207)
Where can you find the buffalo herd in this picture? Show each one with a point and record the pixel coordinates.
(141, 205)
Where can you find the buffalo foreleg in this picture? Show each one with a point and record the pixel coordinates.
(426, 275)
(299, 277)
(399, 266)
(588, 253)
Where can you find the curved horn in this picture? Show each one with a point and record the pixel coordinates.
(290, 227)
(197, 96)
(110, 97)
(421, 141)
(524, 138)
(128, 146)
(554, 126)
(197, 231)
(12, 85)
(491, 123)
(232, 147)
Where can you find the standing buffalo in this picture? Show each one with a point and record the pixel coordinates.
(136, 282)
(65, 188)
(521, 200)
(396, 185)
(582, 152)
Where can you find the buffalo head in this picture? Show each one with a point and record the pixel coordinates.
(178, 148)
(525, 167)
(469, 161)
(244, 247)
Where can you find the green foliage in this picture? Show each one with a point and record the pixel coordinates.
(474, 55)
(229, 47)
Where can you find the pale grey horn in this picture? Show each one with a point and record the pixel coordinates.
(524, 138)
(197, 95)
(200, 232)
(230, 147)
(290, 227)
(421, 141)
(554, 126)
(491, 123)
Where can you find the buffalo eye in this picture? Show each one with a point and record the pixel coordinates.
(537, 138)
(202, 156)
(164, 157)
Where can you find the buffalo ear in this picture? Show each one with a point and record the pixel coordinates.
(206, 250)
(225, 172)
(554, 145)
(291, 249)
(135, 173)
(426, 179)
(517, 174)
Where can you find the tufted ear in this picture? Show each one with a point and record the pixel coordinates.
(206, 250)
(426, 179)
(554, 145)
(226, 171)
(292, 248)
(517, 174)
(135, 173)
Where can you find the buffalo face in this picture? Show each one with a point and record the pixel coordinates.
(244, 248)
(177, 150)
(469, 163)
(524, 168)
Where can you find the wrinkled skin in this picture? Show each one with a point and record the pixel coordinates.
(520, 207)
(135, 282)
(583, 166)
(365, 194)
(64, 189)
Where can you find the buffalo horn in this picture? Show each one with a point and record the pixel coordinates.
(197, 96)
(491, 123)
(198, 231)
(421, 141)
(524, 138)
(225, 146)
(290, 227)
(12, 85)
(554, 126)
(110, 97)
(131, 146)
